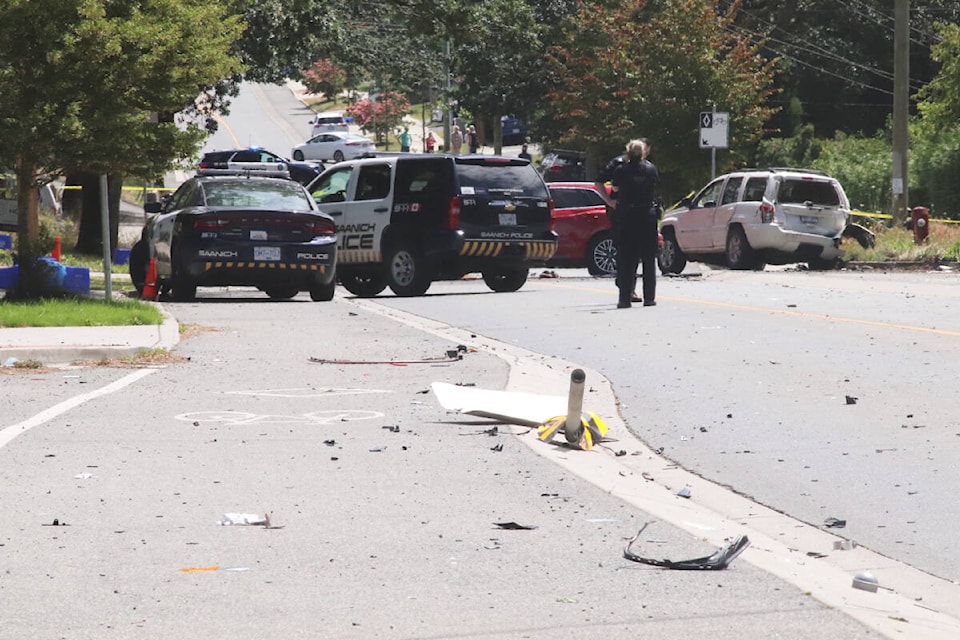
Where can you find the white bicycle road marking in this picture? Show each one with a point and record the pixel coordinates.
(303, 392)
(243, 417)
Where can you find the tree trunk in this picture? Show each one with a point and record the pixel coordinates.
(28, 205)
(90, 238)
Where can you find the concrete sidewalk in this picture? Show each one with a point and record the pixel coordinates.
(63, 345)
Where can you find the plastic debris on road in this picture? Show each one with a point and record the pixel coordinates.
(716, 561)
(244, 519)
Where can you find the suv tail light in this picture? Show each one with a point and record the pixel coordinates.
(553, 220)
(453, 213)
(766, 212)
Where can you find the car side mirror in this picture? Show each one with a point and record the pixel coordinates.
(152, 208)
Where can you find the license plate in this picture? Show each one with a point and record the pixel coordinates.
(809, 219)
(266, 253)
(508, 219)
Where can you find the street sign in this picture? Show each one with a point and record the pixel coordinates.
(713, 129)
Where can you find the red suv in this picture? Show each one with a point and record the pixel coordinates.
(580, 220)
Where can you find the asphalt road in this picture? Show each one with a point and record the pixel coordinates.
(383, 507)
(823, 395)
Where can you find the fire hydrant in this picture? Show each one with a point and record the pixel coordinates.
(919, 222)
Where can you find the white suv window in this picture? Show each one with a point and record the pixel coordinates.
(755, 189)
(731, 190)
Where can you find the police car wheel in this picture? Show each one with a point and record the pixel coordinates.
(406, 272)
(281, 293)
(323, 292)
(505, 280)
(363, 284)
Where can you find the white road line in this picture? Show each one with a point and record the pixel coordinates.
(9, 433)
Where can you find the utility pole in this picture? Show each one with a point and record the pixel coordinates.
(901, 105)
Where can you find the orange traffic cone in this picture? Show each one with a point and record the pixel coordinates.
(56, 249)
(150, 285)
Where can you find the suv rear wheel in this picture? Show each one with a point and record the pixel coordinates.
(407, 273)
(740, 255)
(505, 280)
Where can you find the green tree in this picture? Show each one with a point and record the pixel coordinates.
(499, 63)
(81, 77)
(642, 68)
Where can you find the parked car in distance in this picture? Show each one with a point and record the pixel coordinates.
(238, 230)
(330, 121)
(514, 131)
(258, 160)
(408, 220)
(584, 229)
(336, 146)
(750, 218)
(562, 165)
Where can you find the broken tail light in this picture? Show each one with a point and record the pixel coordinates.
(766, 212)
(453, 213)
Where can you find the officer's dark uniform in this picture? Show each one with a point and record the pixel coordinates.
(606, 175)
(636, 183)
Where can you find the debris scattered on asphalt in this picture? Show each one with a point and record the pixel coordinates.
(392, 428)
(56, 523)
(720, 559)
(816, 554)
(83, 476)
(492, 431)
(684, 493)
(834, 523)
(379, 449)
(330, 443)
(498, 447)
(466, 384)
(549, 274)
(866, 581)
(646, 476)
(844, 545)
(514, 526)
(450, 356)
(620, 453)
(852, 400)
(245, 519)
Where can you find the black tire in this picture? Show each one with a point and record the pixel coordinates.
(184, 287)
(363, 284)
(819, 264)
(601, 255)
(671, 258)
(338, 156)
(505, 280)
(281, 292)
(139, 261)
(740, 255)
(407, 273)
(298, 155)
(323, 292)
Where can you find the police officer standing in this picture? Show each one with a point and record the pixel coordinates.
(632, 198)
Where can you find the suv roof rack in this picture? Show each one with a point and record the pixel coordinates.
(794, 169)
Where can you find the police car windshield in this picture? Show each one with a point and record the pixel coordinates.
(519, 180)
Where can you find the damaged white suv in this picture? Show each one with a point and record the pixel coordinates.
(754, 217)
